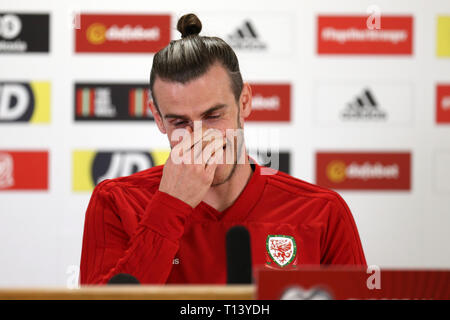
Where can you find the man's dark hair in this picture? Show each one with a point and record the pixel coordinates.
(191, 57)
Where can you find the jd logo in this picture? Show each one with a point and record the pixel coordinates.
(90, 167)
(16, 102)
(109, 165)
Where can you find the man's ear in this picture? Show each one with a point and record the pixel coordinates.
(157, 116)
(245, 101)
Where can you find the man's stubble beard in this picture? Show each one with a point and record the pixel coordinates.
(237, 152)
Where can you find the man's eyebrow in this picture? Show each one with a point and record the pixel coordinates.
(175, 116)
(184, 117)
(214, 108)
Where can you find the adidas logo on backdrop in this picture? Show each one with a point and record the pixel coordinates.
(246, 38)
(364, 107)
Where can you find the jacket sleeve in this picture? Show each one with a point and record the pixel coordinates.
(342, 245)
(147, 254)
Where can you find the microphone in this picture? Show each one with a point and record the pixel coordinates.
(123, 278)
(239, 259)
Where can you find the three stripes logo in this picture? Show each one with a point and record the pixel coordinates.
(246, 38)
(364, 107)
(113, 102)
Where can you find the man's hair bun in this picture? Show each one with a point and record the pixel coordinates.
(189, 25)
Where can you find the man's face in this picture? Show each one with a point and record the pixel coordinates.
(208, 99)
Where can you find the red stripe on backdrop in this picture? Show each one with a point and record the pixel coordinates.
(79, 102)
(131, 103)
(92, 102)
(145, 104)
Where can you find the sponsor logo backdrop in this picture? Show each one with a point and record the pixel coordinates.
(364, 171)
(23, 170)
(343, 34)
(354, 100)
(23, 32)
(122, 33)
(25, 102)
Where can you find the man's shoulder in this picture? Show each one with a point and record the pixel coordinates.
(296, 188)
(148, 179)
(302, 194)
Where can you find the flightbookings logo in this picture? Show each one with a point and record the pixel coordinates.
(122, 33)
(21, 33)
(443, 104)
(92, 167)
(23, 170)
(350, 35)
(114, 102)
(364, 171)
(443, 36)
(25, 102)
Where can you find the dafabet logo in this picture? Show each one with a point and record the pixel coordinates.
(364, 171)
(271, 102)
(122, 33)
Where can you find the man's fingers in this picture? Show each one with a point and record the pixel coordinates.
(211, 164)
(209, 141)
(194, 138)
(193, 144)
(213, 152)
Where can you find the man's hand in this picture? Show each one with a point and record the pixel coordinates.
(190, 178)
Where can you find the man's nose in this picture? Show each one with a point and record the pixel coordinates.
(202, 126)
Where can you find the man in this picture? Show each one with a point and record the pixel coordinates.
(168, 224)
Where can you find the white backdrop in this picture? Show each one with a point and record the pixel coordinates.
(41, 232)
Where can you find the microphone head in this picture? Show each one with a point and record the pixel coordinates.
(123, 278)
(239, 259)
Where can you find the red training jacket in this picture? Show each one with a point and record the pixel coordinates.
(132, 227)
